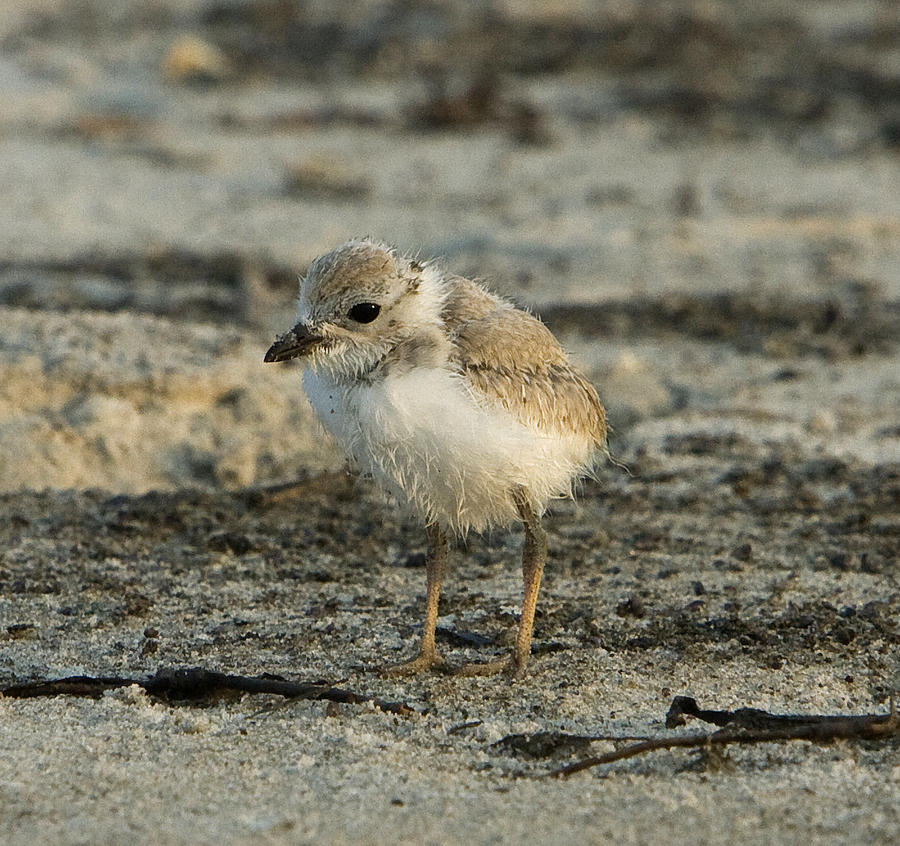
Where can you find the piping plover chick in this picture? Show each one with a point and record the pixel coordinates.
(464, 407)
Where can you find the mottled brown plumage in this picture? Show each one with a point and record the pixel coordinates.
(510, 357)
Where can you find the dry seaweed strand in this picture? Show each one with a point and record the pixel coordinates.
(195, 683)
(750, 726)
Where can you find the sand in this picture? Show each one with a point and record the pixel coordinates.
(704, 204)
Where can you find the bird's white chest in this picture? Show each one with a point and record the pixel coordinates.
(453, 458)
(408, 412)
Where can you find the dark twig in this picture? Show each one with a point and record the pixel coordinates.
(749, 726)
(195, 684)
(463, 726)
(755, 719)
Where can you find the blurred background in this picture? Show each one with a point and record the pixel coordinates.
(701, 198)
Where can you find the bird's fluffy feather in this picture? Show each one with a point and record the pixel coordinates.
(457, 400)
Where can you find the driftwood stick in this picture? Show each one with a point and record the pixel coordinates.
(750, 726)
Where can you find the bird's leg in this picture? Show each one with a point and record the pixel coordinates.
(435, 567)
(534, 555)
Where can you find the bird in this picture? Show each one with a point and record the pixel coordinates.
(463, 406)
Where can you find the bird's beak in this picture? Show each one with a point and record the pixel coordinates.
(298, 342)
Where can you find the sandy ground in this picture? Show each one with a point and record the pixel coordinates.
(702, 201)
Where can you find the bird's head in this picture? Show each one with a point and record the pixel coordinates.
(357, 303)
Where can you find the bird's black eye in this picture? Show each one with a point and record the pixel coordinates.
(364, 312)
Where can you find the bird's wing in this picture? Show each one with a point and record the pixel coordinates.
(511, 358)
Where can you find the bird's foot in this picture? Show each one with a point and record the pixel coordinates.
(511, 665)
(424, 661)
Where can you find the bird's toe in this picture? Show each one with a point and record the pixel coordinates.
(420, 664)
